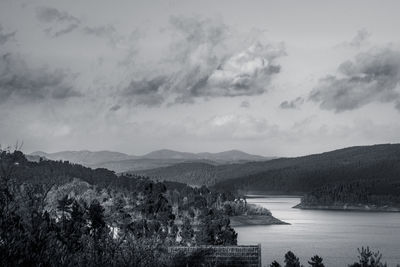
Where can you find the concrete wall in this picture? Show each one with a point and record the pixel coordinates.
(249, 256)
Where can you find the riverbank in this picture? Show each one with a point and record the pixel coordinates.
(349, 207)
(247, 220)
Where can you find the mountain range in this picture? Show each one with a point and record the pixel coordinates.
(121, 162)
(297, 174)
(375, 167)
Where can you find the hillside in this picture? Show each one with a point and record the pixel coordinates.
(85, 157)
(57, 212)
(300, 174)
(140, 165)
(194, 173)
(120, 162)
(379, 163)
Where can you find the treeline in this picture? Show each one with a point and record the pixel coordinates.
(367, 258)
(376, 193)
(62, 214)
(376, 164)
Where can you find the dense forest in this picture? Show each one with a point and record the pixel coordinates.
(290, 175)
(55, 213)
(373, 194)
(376, 167)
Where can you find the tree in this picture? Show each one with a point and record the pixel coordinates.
(291, 260)
(187, 232)
(96, 217)
(368, 258)
(316, 261)
(64, 205)
(275, 264)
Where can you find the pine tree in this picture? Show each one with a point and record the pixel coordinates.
(275, 264)
(291, 260)
(316, 261)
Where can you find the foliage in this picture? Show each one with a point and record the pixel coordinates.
(291, 260)
(316, 261)
(62, 214)
(368, 258)
(376, 166)
(274, 264)
(355, 193)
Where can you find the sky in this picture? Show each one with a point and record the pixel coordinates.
(274, 78)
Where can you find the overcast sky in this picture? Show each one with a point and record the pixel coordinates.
(276, 78)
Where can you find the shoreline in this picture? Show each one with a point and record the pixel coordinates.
(249, 220)
(346, 207)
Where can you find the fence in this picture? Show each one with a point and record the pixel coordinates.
(249, 256)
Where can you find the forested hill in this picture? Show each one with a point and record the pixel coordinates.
(299, 174)
(55, 213)
(378, 163)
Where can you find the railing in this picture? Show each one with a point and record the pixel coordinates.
(249, 256)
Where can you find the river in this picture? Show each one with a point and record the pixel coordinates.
(333, 235)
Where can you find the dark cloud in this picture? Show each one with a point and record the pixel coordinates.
(20, 81)
(148, 92)
(58, 33)
(61, 21)
(5, 37)
(294, 104)
(371, 77)
(115, 107)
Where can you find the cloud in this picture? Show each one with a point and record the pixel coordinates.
(245, 73)
(61, 21)
(359, 40)
(205, 64)
(294, 104)
(245, 104)
(145, 92)
(233, 126)
(104, 31)
(115, 107)
(5, 37)
(20, 81)
(373, 76)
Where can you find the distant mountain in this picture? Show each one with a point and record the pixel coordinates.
(120, 162)
(300, 174)
(85, 157)
(170, 154)
(232, 156)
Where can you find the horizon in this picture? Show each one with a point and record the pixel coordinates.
(190, 152)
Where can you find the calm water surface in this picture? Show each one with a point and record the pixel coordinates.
(333, 235)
